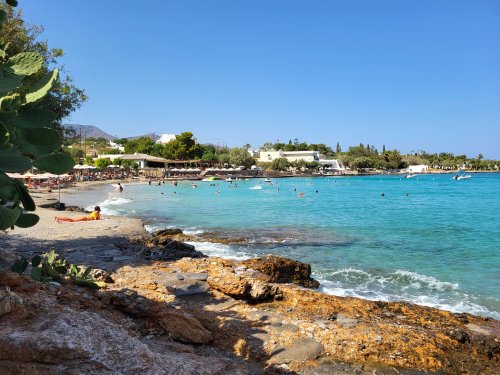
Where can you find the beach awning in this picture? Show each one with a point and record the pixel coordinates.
(84, 166)
(41, 176)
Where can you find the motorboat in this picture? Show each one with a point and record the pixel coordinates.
(458, 177)
(410, 175)
(266, 180)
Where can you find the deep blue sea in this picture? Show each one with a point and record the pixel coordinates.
(428, 240)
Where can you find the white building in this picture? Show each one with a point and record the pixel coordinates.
(142, 160)
(165, 138)
(117, 146)
(418, 168)
(308, 156)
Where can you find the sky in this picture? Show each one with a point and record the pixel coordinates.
(413, 75)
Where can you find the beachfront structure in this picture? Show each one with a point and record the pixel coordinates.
(165, 138)
(331, 164)
(307, 156)
(418, 168)
(143, 160)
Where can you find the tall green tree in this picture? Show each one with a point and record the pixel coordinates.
(183, 147)
(280, 164)
(142, 145)
(240, 157)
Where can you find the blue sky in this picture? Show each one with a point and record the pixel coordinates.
(413, 75)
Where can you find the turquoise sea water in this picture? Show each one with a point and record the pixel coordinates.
(429, 240)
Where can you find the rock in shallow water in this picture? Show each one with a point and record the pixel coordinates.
(283, 270)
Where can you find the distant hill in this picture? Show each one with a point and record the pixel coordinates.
(90, 131)
(153, 136)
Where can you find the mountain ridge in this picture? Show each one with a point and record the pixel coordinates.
(92, 131)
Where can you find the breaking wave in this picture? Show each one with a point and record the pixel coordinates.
(403, 286)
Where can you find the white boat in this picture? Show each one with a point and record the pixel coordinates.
(410, 175)
(461, 177)
(267, 180)
(229, 179)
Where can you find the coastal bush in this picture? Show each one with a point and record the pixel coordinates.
(26, 138)
(280, 164)
(102, 163)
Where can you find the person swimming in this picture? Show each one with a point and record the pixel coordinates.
(94, 215)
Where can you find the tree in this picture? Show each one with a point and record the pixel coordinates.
(209, 156)
(142, 145)
(223, 159)
(299, 164)
(89, 160)
(209, 153)
(183, 147)
(362, 162)
(268, 146)
(240, 156)
(338, 149)
(102, 163)
(121, 141)
(75, 153)
(280, 164)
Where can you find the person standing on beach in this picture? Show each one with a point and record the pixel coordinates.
(120, 187)
(94, 215)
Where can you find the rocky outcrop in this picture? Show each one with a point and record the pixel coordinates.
(159, 248)
(243, 286)
(83, 342)
(283, 270)
(184, 327)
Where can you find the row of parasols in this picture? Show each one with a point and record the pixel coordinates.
(40, 176)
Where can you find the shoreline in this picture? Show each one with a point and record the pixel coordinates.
(312, 330)
(217, 238)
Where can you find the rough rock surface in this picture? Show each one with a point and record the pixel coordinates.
(283, 270)
(184, 327)
(82, 342)
(193, 316)
(243, 284)
(10, 302)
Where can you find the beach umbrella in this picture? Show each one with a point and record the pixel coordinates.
(15, 175)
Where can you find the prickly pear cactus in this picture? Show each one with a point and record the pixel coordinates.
(26, 139)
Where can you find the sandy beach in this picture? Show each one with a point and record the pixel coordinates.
(209, 315)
